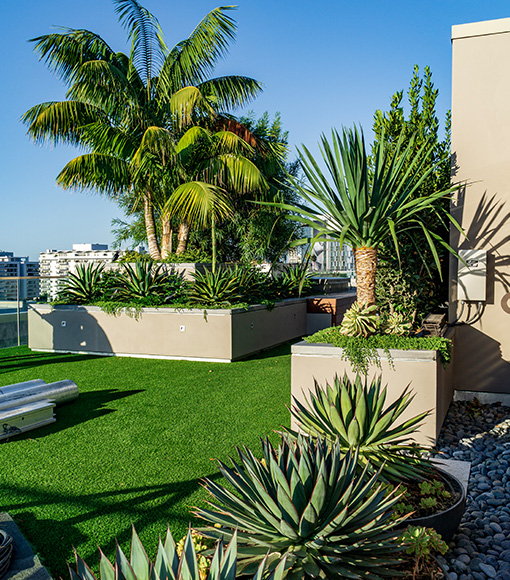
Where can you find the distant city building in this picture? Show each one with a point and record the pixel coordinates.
(16, 266)
(64, 262)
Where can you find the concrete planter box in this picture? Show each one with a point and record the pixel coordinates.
(422, 369)
(195, 334)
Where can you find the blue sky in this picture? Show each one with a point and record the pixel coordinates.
(323, 64)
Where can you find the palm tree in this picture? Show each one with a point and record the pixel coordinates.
(366, 206)
(215, 166)
(129, 111)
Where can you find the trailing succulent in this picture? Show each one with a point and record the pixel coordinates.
(168, 565)
(360, 320)
(353, 415)
(306, 502)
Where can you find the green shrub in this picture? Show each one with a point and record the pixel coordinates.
(147, 282)
(305, 501)
(219, 287)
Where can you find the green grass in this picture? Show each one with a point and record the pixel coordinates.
(132, 448)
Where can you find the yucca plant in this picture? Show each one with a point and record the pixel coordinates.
(168, 565)
(360, 320)
(219, 287)
(354, 415)
(84, 286)
(305, 501)
(141, 280)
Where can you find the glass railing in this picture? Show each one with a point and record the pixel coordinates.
(15, 294)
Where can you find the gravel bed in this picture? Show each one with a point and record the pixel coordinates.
(480, 434)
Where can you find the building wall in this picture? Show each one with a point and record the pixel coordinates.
(16, 266)
(481, 157)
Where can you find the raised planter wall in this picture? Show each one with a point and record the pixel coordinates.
(213, 335)
(422, 369)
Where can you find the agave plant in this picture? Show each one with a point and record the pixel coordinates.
(295, 279)
(397, 324)
(219, 287)
(141, 280)
(168, 564)
(353, 415)
(84, 286)
(360, 320)
(305, 502)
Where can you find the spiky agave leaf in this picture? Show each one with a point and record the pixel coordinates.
(168, 565)
(83, 286)
(354, 414)
(306, 502)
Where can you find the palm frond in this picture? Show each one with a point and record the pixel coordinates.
(185, 102)
(102, 173)
(199, 202)
(147, 46)
(192, 60)
(229, 92)
(65, 52)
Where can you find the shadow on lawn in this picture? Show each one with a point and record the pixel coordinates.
(86, 407)
(25, 361)
(54, 539)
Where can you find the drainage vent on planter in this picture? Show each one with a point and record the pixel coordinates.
(5, 552)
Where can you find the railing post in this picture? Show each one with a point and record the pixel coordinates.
(18, 312)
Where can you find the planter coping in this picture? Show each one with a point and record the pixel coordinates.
(169, 310)
(459, 469)
(304, 348)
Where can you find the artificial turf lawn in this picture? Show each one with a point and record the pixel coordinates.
(132, 448)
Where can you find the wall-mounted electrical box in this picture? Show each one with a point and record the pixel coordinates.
(472, 276)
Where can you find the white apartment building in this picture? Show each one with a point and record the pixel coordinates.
(17, 266)
(63, 262)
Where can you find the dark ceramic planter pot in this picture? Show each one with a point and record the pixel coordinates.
(5, 552)
(445, 522)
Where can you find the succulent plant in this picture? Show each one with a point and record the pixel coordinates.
(397, 324)
(360, 320)
(353, 414)
(306, 502)
(141, 280)
(168, 564)
(219, 287)
(83, 286)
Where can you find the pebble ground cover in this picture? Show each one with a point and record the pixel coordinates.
(480, 434)
(133, 447)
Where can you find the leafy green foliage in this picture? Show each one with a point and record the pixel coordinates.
(422, 543)
(413, 285)
(168, 565)
(304, 501)
(191, 255)
(361, 352)
(360, 320)
(82, 287)
(355, 414)
(294, 280)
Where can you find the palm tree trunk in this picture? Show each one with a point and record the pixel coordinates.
(366, 268)
(166, 237)
(150, 228)
(182, 237)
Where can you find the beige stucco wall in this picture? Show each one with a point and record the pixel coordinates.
(215, 335)
(481, 156)
(422, 370)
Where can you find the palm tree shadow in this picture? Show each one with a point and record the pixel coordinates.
(17, 362)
